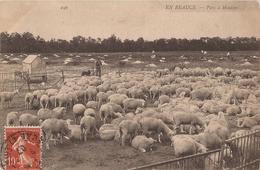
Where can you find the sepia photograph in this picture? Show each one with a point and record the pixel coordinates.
(130, 84)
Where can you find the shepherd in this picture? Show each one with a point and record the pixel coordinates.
(98, 67)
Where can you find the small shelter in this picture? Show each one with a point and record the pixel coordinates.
(34, 64)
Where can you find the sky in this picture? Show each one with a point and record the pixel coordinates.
(125, 19)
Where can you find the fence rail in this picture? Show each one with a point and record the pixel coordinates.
(242, 152)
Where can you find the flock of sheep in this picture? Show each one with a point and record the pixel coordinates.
(184, 107)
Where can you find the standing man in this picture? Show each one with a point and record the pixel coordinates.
(98, 67)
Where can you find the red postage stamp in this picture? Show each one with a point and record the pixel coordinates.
(22, 148)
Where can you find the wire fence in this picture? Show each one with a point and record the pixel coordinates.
(241, 153)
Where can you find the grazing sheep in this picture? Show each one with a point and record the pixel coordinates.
(28, 99)
(92, 104)
(51, 92)
(233, 110)
(142, 143)
(249, 122)
(131, 104)
(108, 131)
(202, 94)
(88, 125)
(155, 125)
(12, 119)
(7, 97)
(75, 131)
(27, 119)
(164, 99)
(37, 94)
(54, 128)
(117, 98)
(184, 145)
(91, 93)
(187, 118)
(106, 111)
(209, 140)
(90, 112)
(128, 127)
(102, 98)
(182, 90)
(44, 101)
(78, 112)
(219, 126)
(58, 113)
(63, 100)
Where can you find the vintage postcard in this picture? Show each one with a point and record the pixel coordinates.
(127, 84)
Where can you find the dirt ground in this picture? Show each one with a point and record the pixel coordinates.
(104, 155)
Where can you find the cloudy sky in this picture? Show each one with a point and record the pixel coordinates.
(125, 19)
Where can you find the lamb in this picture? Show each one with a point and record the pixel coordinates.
(142, 143)
(44, 101)
(27, 119)
(128, 127)
(75, 131)
(133, 104)
(249, 122)
(184, 145)
(202, 94)
(117, 98)
(187, 118)
(88, 125)
(53, 128)
(164, 99)
(78, 112)
(58, 113)
(12, 119)
(7, 97)
(28, 99)
(156, 125)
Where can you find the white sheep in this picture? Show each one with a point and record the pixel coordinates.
(7, 97)
(44, 101)
(92, 104)
(102, 98)
(155, 125)
(88, 125)
(131, 104)
(117, 98)
(75, 131)
(184, 145)
(91, 93)
(54, 128)
(219, 126)
(12, 119)
(58, 113)
(28, 99)
(51, 92)
(209, 140)
(187, 118)
(90, 112)
(78, 112)
(142, 143)
(27, 119)
(128, 127)
(249, 122)
(164, 99)
(202, 94)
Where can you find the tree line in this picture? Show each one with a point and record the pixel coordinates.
(29, 43)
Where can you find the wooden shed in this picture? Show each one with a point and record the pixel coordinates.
(34, 64)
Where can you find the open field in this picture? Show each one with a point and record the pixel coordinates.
(99, 155)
